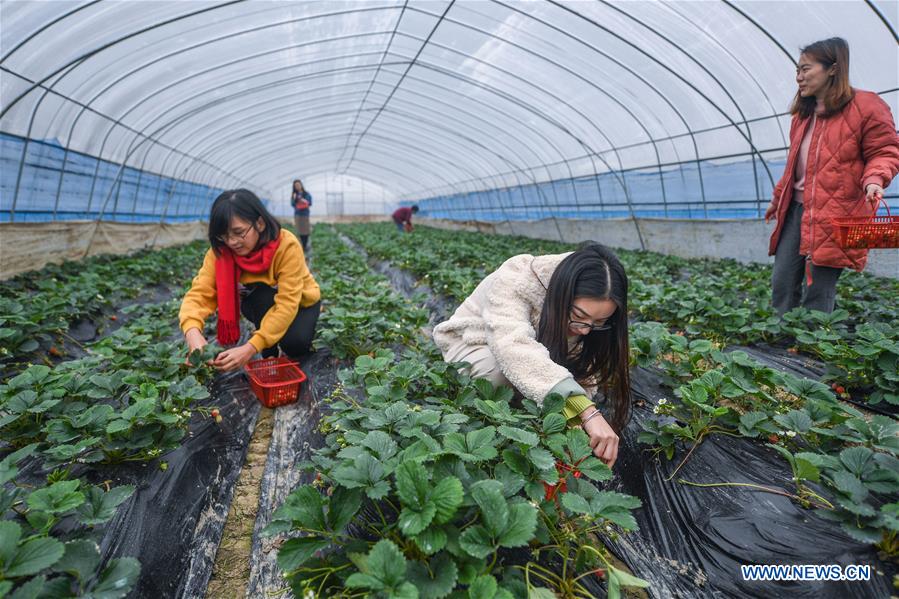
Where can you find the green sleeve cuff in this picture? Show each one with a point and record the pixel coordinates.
(574, 405)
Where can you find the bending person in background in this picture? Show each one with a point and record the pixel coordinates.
(301, 200)
(843, 153)
(551, 324)
(257, 269)
(402, 217)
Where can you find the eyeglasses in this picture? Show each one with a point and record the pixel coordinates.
(586, 327)
(238, 236)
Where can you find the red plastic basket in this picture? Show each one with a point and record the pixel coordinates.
(868, 233)
(275, 381)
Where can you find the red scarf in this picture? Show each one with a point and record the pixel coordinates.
(228, 267)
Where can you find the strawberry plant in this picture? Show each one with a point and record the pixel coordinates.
(42, 556)
(434, 485)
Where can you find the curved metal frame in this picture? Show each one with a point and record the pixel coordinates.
(468, 163)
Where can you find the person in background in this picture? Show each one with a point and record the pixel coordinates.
(843, 153)
(402, 217)
(254, 268)
(301, 200)
(551, 324)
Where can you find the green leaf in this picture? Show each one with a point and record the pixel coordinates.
(365, 581)
(541, 459)
(794, 420)
(431, 541)
(749, 421)
(414, 520)
(483, 587)
(605, 500)
(10, 533)
(595, 469)
(541, 593)
(477, 542)
(488, 494)
(412, 482)
(438, 585)
(387, 564)
(522, 525)
(31, 589)
(8, 469)
(627, 580)
(575, 503)
(519, 435)
(58, 498)
(380, 443)
(117, 426)
(516, 462)
(116, 580)
(552, 404)
(512, 481)
(447, 496)
(807, 471)
(295, 552)
(100, 506)
(33, 556)
(305, 506)
(856, 459)
(80, 560)
(482, 439)
(342, 507)
(849, 484)
(553, 423)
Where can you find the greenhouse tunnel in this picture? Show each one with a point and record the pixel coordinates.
(655, 128)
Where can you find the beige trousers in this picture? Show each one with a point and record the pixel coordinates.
(483, 362)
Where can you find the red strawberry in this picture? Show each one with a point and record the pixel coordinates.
(600, 572)
(54, 351)
(216, 415)
(772, 438)
(113, 318)
(839, 389)
(792, 350)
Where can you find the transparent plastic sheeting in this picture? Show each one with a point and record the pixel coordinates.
(427, 99)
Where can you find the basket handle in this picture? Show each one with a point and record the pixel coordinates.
(877, 205)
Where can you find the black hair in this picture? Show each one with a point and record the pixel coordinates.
(600, 357)
(245, 204)
(414, 207)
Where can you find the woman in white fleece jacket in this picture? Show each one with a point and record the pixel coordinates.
(551, 324)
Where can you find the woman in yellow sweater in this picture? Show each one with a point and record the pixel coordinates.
(256, 268)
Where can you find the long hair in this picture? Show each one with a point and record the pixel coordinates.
(837, 92)
(293, 186)
(245, 204)
(602, 356)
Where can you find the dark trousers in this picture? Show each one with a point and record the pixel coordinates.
(788, 280)
(297, 341)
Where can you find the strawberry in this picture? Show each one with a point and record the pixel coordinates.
(216, 415)
(792, 350)
(113, 318)
(772, 438)
(839, 389)
(600, 572)
(54, 351)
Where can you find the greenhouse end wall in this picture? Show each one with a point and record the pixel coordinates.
(740, 239)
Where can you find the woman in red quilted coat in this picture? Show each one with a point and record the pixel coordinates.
(843, 152)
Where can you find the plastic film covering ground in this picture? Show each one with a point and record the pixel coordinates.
(691, 540)
(173, 521)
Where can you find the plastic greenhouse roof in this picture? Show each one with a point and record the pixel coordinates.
(421, 97)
